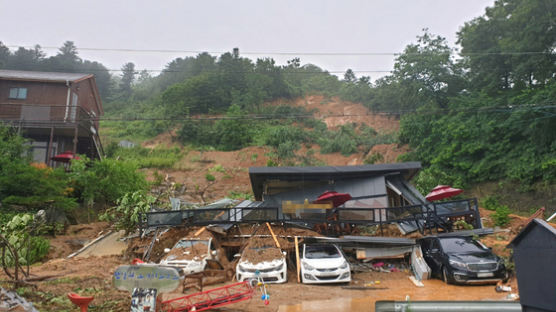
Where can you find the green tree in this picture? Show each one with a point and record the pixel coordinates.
(234, 133)
(349, 76)
(67, 55)
(128, 76)
(27, 59)
(511, 46)
(4, 55)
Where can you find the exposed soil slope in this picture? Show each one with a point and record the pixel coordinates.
(233, 177)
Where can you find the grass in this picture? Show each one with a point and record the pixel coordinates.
(159, 158)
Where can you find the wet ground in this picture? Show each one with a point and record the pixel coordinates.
(292, 297)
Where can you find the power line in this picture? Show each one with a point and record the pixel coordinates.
(302, 72)
(505, 109)
(291, 53)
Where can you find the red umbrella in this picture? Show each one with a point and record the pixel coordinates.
(336, 198)
(65, 157)
(441, 192)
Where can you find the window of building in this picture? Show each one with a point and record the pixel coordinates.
(18, 93)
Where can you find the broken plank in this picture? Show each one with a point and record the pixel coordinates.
(273, 236)
(200, 231)
(415, 281)
(89, 244)
(297, 259)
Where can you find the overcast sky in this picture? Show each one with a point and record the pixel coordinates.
(268, 27)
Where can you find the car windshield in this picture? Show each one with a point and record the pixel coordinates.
(321, 251)
(190, 243)
(460, 245)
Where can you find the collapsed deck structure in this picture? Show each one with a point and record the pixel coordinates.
(380, 195)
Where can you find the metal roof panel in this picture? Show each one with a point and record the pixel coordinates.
(41, 76)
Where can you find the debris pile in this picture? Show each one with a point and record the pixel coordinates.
(260, 249)
(195, 251)
(10, 301)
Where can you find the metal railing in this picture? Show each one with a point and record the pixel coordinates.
(31, 114)
(425, 216)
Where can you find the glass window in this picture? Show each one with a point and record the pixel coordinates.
(22, 94)
(18, 93)
(321, 251)
(190, 243)
(434, 244)
(13, 93)
(460, 245)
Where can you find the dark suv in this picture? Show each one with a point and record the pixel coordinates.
(461, 260)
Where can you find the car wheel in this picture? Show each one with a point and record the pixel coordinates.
(506, 277)
(446, 276)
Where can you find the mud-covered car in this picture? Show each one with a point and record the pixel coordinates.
(262, 257)
(190, 255)
(324, 263)
(462, 260)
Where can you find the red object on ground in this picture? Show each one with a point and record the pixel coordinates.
(210, 299)
(442, 191)
(137, 261)
(65, 157)
(81, 302)
(336, 198)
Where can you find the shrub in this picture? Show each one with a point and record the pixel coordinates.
(277, 136)
(372, 159)
(34, 188)
(490, 203)
(342, 141)
(240, 195)
(128, 211)
(209, 177)
(106, 181)
(20, 232)
(286, 150)
(501, 215)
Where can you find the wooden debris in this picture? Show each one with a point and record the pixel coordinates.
(201, 230)
(297, 259)
(273, 236)
(415, 281)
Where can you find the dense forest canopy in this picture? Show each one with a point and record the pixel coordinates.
(482, 112)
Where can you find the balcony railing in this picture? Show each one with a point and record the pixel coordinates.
(27, 114)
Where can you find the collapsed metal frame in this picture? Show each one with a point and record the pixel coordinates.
(425, 216)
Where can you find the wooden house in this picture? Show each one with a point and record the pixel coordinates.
(58, 112)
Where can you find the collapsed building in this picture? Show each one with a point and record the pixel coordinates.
(291, 198)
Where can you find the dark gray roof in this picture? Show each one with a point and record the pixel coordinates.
(534, 223)
(41, 76)
(259, 175)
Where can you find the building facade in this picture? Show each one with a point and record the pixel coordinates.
(58, 112)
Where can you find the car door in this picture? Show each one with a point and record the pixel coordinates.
(434, 255)
(426, 247)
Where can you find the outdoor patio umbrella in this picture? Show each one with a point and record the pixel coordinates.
(442, 191)
(336, 198)
(65, 157)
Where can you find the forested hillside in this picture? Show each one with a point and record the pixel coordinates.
(482, 111)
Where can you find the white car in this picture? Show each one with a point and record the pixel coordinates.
(189, 255)
(324, 263)
(271, 271)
